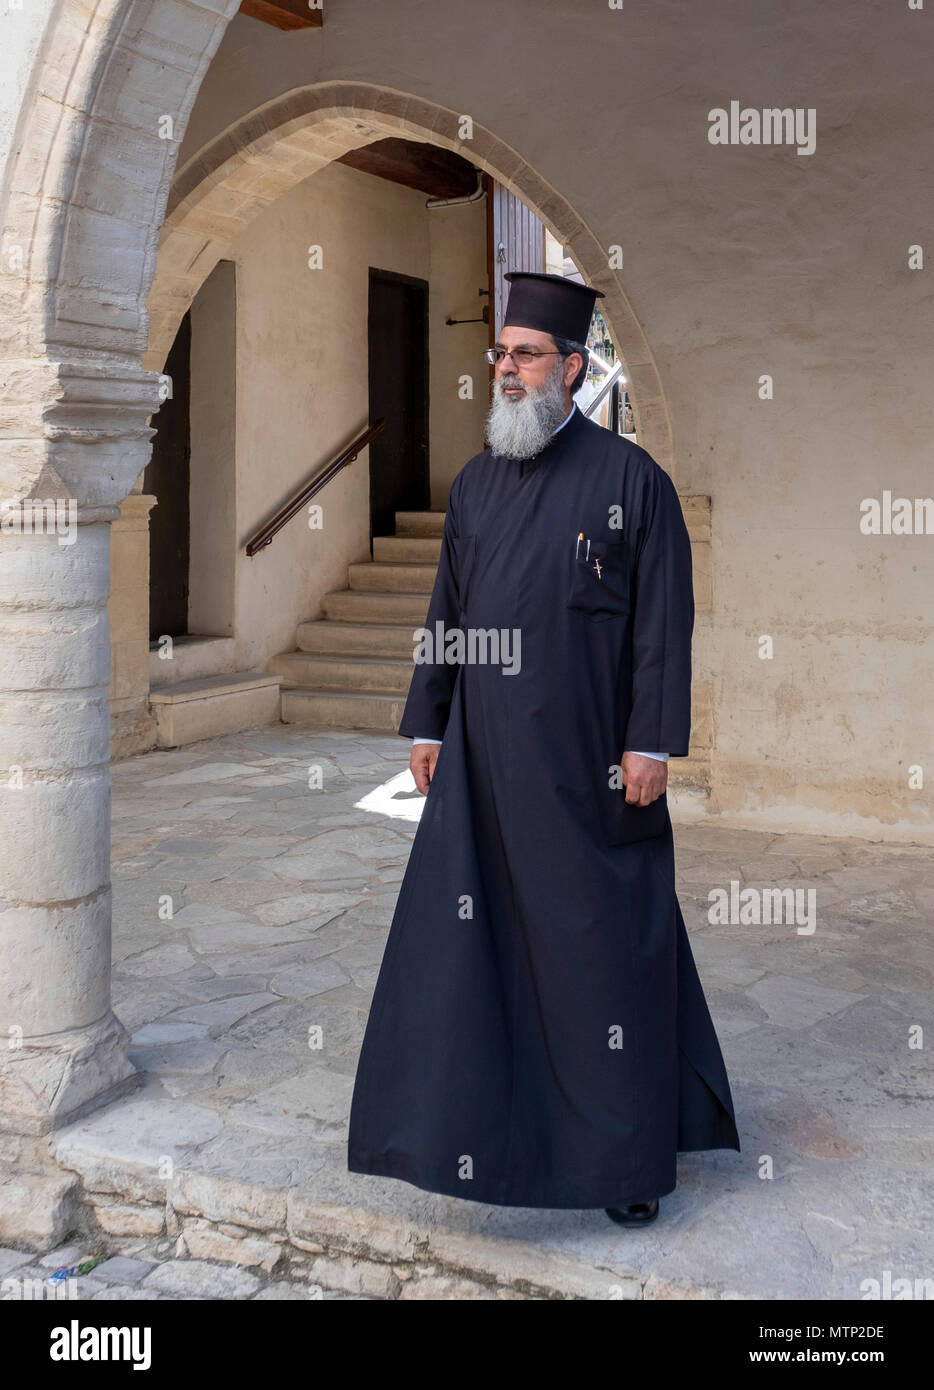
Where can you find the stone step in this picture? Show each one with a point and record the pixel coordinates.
(362, 606)
(379, 711)
(192, 658)
(212, 705)
(400, 550)
(342, 673)
(353, 668)
(419, 523)
(325, 637)
(376, 577)
(386, 1253)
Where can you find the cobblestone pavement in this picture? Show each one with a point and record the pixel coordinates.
(251, 905)
(144, 1270)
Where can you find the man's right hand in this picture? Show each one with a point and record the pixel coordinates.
(422, 764)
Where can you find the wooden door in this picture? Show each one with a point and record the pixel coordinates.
(398, 385)
(515, 241)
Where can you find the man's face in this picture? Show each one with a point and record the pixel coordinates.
(530, 399)
(516, 379)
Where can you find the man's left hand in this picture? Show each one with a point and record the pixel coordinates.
(644, 778)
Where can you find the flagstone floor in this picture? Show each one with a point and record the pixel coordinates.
(251, 904)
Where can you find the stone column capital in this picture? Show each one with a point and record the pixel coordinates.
(75, 429)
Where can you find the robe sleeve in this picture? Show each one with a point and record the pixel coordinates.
(662, 623)
(429, 700)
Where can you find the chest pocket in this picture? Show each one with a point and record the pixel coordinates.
(600, 580)
(465, 554)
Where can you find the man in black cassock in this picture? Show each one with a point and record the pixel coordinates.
(538, 1035)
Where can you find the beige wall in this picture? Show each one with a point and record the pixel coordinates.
(132, 724)
(458, 270)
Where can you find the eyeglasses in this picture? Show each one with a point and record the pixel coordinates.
(523, 357)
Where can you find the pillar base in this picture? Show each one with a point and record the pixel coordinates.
(54, 1080)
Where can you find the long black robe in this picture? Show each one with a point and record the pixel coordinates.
(538, 1035)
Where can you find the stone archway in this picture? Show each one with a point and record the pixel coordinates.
(83, 205)
(228, 182)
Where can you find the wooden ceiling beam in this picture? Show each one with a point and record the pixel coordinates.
(285, 14)
(416, 164)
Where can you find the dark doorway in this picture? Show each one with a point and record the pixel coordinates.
(167, 478)
(398, 381)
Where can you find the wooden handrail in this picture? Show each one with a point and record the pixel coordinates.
(275, 524)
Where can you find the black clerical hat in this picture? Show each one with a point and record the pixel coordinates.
(550, 303)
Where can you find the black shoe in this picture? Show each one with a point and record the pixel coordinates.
(638, 1214)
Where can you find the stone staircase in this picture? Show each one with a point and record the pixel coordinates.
(353, 666)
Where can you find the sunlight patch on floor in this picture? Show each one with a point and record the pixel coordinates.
(399, 797)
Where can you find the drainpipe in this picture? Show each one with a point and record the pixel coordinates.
(473, 197)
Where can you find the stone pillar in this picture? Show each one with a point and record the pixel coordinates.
(62, 1050)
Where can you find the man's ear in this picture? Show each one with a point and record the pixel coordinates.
(578, 361)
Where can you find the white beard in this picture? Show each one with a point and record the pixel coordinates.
(520, 428)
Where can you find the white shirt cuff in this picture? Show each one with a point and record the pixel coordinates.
(426, 740)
